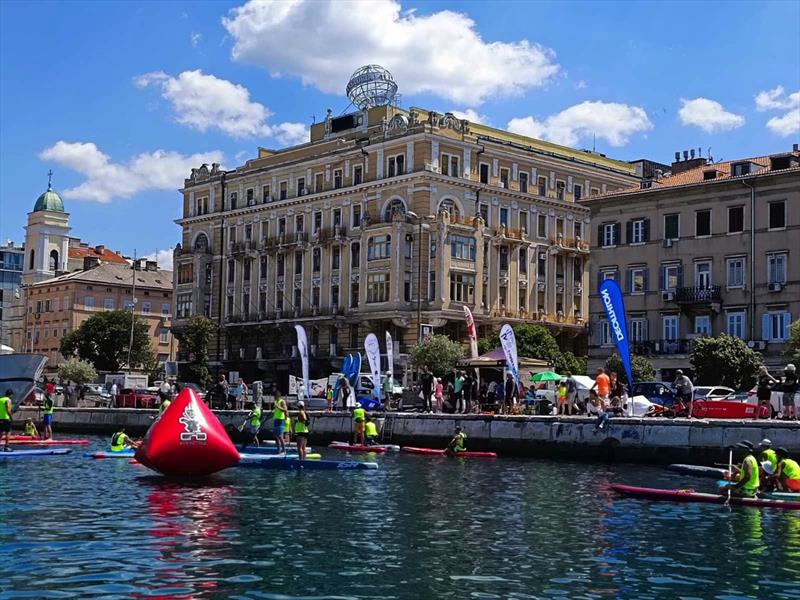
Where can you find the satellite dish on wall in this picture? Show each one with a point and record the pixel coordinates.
(371, 86)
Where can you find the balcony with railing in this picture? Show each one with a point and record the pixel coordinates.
(698, 295)
(661, 347)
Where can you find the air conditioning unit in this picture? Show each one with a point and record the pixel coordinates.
(332, 351)
(756, 344)
(775, 287)
(303, 192)
(259, 354)
(668, 243)
(668, 296)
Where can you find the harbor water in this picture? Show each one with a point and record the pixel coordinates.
(419, 527)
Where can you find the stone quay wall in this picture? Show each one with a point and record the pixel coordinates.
(647, 440)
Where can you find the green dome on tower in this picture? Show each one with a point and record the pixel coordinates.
(49, 200)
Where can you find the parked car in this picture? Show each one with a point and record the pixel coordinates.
(138, 398)
(657, 392)
(711, 392)
(98, 389)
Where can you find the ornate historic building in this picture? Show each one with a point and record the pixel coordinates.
(388, 220)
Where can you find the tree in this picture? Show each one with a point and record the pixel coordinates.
(78, 371)
(440, 354)
(194, 338)
(103, 341)
(569, 363)
(536, 341)
(793, 343)
(641, 368)
(724, 360)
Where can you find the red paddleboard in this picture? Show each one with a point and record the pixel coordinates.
(692, 496)
(36, 442)
(435, 452)
(356, 447)
(187, 439)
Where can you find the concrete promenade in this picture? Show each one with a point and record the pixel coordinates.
(648, 440)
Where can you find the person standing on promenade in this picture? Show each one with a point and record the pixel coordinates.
(426, 384)
(301, 430)
(602, 383)
(5, 417)
(114, 391)
(458, 388)
(789, 386)
(329, 397)
(242, 393)
(388, 390)
(47, 418)
(511, 395)
(438, 395)
(344, 392)
(764, 387)
(684, 389)
(279, 413)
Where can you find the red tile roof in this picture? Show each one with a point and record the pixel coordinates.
(105, 255)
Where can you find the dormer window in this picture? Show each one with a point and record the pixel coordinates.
(740, 169)
(708, 175)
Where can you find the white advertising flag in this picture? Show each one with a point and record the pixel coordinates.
(302, 348)
(471, 333)
(390, 353)
(509, 343)
(373, 351)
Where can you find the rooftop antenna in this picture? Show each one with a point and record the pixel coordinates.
(50, 180)
(594, 141)
(313, 119)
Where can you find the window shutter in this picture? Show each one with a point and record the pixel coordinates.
(765, 332)
(647, 280)
(645, 330)
(628, 232)
(617, 234)
(787, 321)
(680, 276)
(600, 240)
(628, 281)
(647, 230)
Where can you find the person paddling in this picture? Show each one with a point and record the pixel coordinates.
(120, 441)
(748, 481)
(458, 443)
(279, 423)
(787, 476)
(301, 430)
(5, 417)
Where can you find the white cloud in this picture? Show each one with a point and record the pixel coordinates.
(581, 84)
(777, 99)
(708, 115)
(163, 257)
(323, 42)
(107, 180)
(195, 38)
(204, 102)
(611, 121)
(471, 115)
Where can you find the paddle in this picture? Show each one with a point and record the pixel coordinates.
(730, 468)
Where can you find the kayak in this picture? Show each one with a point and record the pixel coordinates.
(769, 495)
(245, 457)
(110, 454)
(32, 453)
(699, 471)
(692, 496)
(435, 452)
(36, 442)
(281, 463)
(356, 447)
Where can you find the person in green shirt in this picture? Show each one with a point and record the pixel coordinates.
(788, 472)
(47, 417)
(30, 429)
(359, 417)
(301, 429)
(371, 432)
(748, 481)
(458, 443)
(5, 418)
(253, 423)
(279, 413)
(120, 441)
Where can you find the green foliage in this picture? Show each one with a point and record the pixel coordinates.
(103, 341)
(440, 354)
(793, 343)
(194, 338)
(78, 371)
(724, 360)
(536, 341)
(641, 368)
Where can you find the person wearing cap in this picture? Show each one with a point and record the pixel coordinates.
(789, 385)
(748, 481)
(458, 443)
(301, 429)
(768, 454)
(768, 481)
(787, 475)
(764, 386)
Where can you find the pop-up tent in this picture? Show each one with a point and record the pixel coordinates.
(496, 361)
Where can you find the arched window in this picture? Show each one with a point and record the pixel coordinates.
(30, 266)
(201, 243)
(396, 205)
(53, 260)
(449, 206)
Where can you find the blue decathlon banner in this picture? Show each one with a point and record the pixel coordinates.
(611, 297)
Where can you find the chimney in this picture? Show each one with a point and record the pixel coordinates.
(151, 265)
(795, 147)
(685, 155)
(679, 166)
(99, 250)
(691, 152)
(90, 262)
(677, 157)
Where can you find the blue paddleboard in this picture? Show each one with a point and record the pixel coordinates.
(281, 463)
(33, 453)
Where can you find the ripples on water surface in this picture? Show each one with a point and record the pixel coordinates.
(418, 528)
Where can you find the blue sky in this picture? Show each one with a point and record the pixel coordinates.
(121, 98)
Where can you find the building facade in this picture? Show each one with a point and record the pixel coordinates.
(56, 306)
(11, 257)
(702, 251)
(387, 220)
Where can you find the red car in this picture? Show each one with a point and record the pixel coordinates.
(138, 398)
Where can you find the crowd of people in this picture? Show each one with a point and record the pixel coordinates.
(772, 470)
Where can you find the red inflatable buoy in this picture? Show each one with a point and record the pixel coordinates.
(187, 439)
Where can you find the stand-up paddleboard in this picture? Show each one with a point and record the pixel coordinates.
(345, 372)
(34, 453)
(699, 471)
(109, 454)
(692, 496)
(280, 463)
(251, 458)
(33, 442)
(266, 449)
(436, 452)
(357, 447)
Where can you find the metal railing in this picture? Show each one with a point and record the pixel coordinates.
(698, 294)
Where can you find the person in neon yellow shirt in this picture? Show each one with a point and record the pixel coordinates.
(5, 417)
(371, 432)
(788, 473)
(301, 429)
(279, 414)
(30, 429)
(748, 480)
(359, 418)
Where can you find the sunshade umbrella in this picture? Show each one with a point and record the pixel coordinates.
(546, 376)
